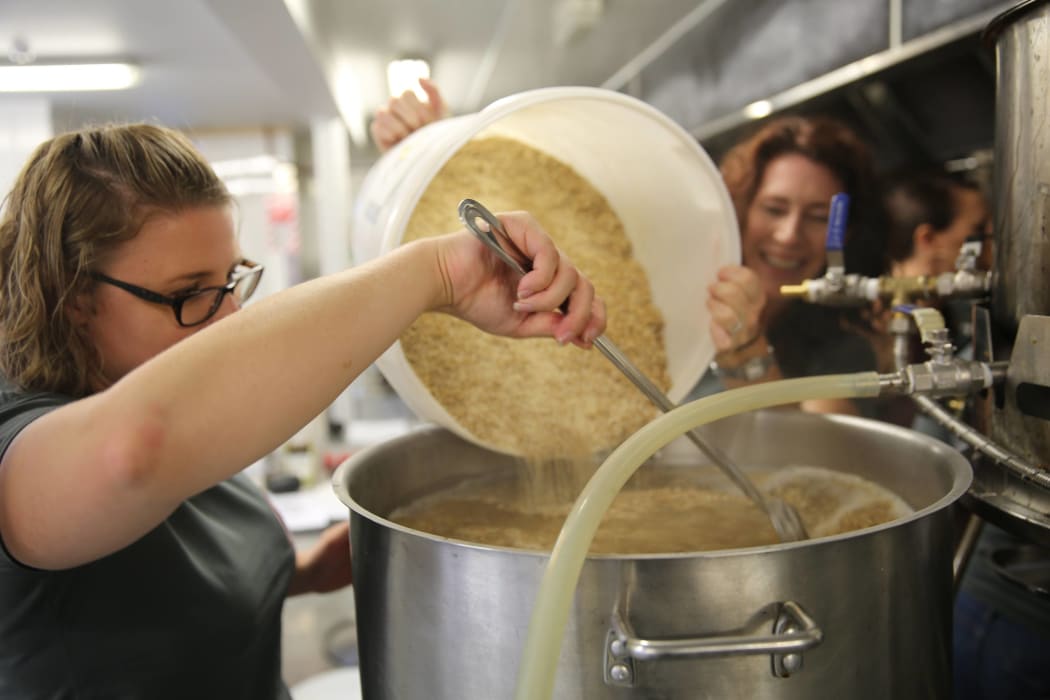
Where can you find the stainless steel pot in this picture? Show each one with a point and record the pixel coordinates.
(861, 615)
(1019, 418)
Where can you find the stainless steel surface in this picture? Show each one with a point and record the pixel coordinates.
(1012, 487)
(964, 549)
(1002, 470)
(793, 632)
(806, 635)
(1012, 472)
(850, 73)
(1022, 207)
(672, 35)
(980, 442)
(784, 518)
(440, 618)
(1026, 566)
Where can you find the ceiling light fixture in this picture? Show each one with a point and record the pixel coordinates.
(757, 110)
(73, 77)
(404, 74)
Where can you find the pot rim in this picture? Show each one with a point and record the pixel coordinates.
(962, 474)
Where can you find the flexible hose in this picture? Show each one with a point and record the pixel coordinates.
(554, 600)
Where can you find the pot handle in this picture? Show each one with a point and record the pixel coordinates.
(794, 631)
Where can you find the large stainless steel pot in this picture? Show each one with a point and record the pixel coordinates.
(861, 615)
(1020, 419)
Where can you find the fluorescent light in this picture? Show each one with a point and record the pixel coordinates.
(68, 78)
(242, 167)
(404, 74)
(757, 110)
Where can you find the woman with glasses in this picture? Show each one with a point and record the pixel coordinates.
(135, 561)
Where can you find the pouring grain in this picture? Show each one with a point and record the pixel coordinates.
(532, 397)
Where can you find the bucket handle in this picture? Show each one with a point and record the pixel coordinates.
(794, 631)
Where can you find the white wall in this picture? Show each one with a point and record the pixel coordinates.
(24, 124)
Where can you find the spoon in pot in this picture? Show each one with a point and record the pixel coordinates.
(785, 519)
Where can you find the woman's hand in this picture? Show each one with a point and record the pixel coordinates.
(324, 567)
(484, 290)
(405, 114)
(736, 302)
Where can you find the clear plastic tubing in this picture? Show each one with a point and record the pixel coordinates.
(554, 600)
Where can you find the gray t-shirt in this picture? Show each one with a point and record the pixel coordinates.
(190, 610)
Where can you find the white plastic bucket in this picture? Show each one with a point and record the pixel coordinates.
(663, 186)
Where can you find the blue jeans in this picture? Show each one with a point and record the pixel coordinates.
(996, 658)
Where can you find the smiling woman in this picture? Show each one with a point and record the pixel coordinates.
(781, 181)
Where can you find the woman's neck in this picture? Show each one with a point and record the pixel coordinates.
(908, 268)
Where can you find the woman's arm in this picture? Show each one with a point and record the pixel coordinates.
(93, 476)
(325, 566)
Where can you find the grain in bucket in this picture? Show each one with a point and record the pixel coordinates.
(653, 178)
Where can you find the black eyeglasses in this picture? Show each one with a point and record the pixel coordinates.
(196, 307)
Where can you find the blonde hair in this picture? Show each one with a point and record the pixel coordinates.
(80, 196)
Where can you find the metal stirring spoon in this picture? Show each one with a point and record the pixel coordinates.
(785, 519)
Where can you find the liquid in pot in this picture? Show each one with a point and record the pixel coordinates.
(661, 511)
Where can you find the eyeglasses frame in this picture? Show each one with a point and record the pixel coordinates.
(176, 301)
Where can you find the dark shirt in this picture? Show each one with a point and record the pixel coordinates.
(190, 610)
(811, 340)
(985, 582)
(808, 341)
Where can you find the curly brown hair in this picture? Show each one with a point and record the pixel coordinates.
(827, 142)
(80, 196)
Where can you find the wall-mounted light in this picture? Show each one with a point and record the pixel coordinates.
(404, 74)
(75, 77)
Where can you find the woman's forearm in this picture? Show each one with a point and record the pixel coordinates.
(114, 465)
(239, 389)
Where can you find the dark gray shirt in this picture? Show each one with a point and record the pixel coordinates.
(810, 340)
(190, 610)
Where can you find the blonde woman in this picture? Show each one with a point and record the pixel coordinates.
(136, 563)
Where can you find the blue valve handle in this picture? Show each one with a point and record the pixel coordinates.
(837, 218)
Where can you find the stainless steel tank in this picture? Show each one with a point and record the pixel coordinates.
(865, 615)
(1020, 309)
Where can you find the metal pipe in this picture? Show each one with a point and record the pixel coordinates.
(489, 59)
(665, 41)
(964, 550)
(983, 444)
(900, 350)
(975, 439)
(896, 12)
(898, 383)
